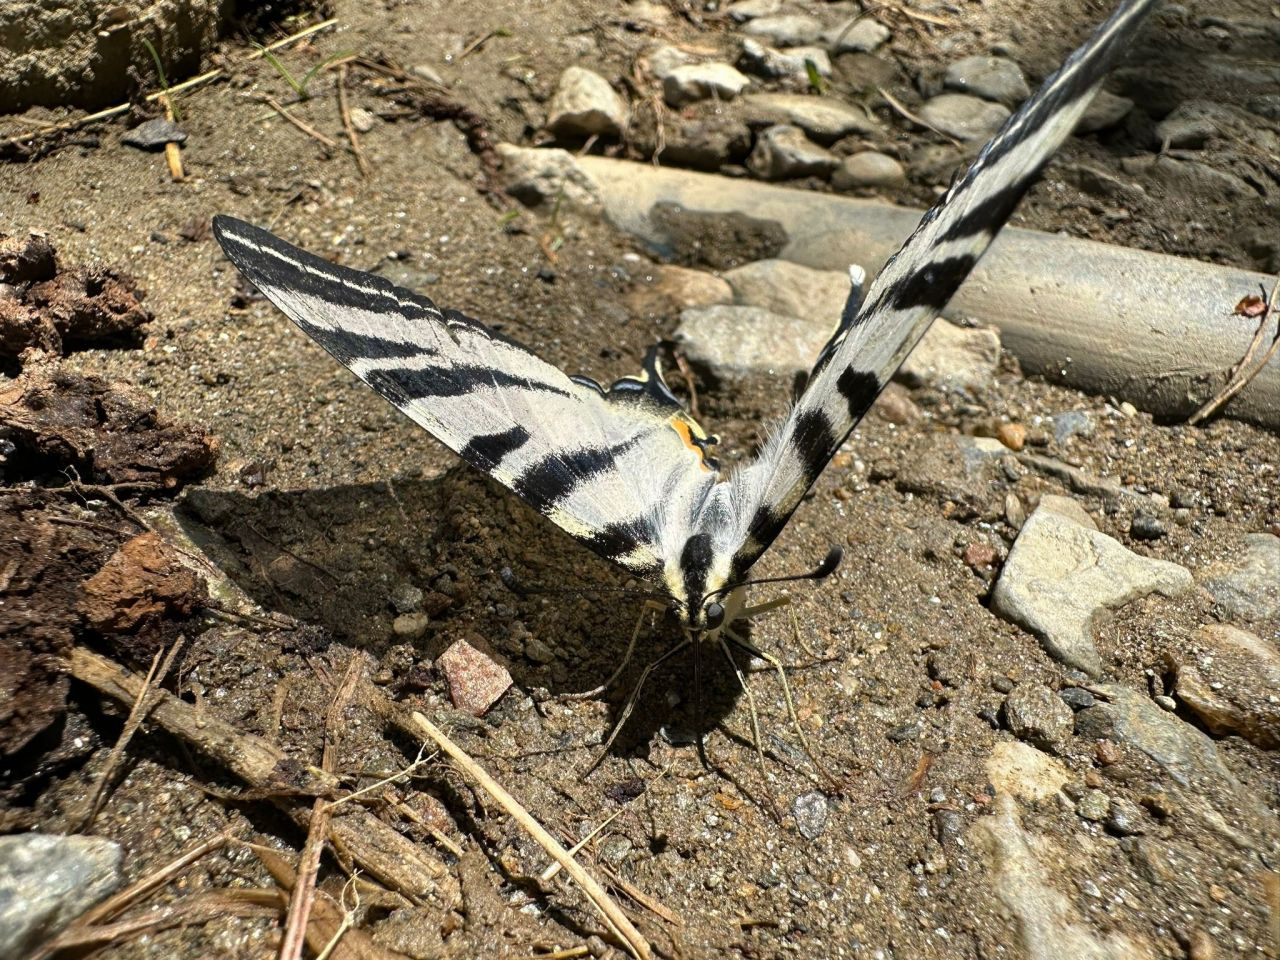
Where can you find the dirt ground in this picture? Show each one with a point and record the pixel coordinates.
(324, 503)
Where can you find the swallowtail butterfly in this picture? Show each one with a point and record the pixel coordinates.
(626, 470)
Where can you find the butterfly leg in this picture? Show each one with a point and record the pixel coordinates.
(631, 703)
(649, 606)
(749, 648)
(755, 720)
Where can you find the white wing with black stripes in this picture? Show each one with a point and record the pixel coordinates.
(624, 470)
(746, 513)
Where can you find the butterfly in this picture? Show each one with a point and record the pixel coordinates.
(625, 469)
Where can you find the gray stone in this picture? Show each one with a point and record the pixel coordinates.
(1230, 679)
(868, 169)
(775, 65)
(991, 78)
(744, 10)
(785, 30)
(47, 880)
(1094, 805)
(153, 134)
(701, 81)
(537, 177)
(1248, 589)
(1147, 526)
(964, 117)
(1022, 771)
(864, 36)
(1062, 576)
(1045, 922)
(1190, 126)
(707, 136)
(1072, 423)
(584, 105)
(1125, 817)
(1036, 714)
(810, 811)
(1104, 112)
(822, 118)
(953, 357)
(736, 341)
(783, 152)
(664, 59)
(406, 598)
(787, 288)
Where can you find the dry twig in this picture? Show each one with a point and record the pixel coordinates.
(306, 128)
(901, 107)
(345, 110)
(1236, 380)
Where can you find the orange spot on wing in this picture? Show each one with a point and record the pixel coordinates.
(686, 437)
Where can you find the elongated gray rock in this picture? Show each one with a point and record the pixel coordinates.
(1248, 588)
(47, 880)
(1061, 575)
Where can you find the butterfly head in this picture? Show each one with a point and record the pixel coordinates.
(698, 582)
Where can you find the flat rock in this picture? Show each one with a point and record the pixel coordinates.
(736, 341)
(953, 357)
(1026, 875)
(786, 288)
(154, 134)
(476, 682)
(964, 117)
(866, 170)
(785, 29)
(701, 81)
(47, 880)
(1230, 679)
(1036, 714)
(1190, 126)
(670, 289)
(1247, 589)
(664, 59)
(823, 119)
(864, 36)
(783, 152)
(774, 64)
(962, 471)
(1022, 771)
(992, 78)
(1061, 576)
(1105, 111)
(584, 105)
(544, 176)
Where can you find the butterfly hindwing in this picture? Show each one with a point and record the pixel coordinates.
(615, 468)
(876, 335)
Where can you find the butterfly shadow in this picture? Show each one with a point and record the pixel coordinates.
(341, 558)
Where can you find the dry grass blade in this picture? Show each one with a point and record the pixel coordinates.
(304, 890)
(347, 125)
(612, 913)
(146, 697)
(901, 107)
(1238, 379)
(306, 128)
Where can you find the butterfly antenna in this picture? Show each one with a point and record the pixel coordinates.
(823, 570)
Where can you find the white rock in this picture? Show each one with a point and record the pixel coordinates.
(864, 36)
(785, 30)
(585, 105)
(991, 78)
(953, 357)
(786, 288)
(744, 10)
(664, 59)
(964, 117)
(783, 152)
(868, 169)
(699, 81)
(824, 119)
(774, 64)
(424, 71)
(1022, 771)
(362, 120)
(736, 341)
(536, 177)
(1061, 576)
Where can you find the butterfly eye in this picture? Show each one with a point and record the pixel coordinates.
(713, 615)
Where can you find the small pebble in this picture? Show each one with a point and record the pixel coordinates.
(1107, 752)
(1146, 526)
(410, 626)
(904, 732)
(1094, 805)
(476, 682)
(980, 556)
(1077, 698)
(1166, 703)
(1125, 817)
(1012, 435)
(810, 811)
(153, 134)
(406, 598)
(362, 120)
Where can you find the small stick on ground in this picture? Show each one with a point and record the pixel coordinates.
(304, 891)
(345, 110)
(306, 128)
(146, 697)
(1235, 381)
(901, 107)
(618, 921)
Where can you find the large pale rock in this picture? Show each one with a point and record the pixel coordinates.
(991, 78)
(787, 288)
(1062, 576)
(774, 64)
(1248, 588)
(47, 880)
(1022, 771)
(584, 105)
(783, 152)
(953, 357)
(701, 81)
(1027, 874)
(1230, 679)
(543, 176)
(964, 117)
(737, 341)
(785, 30)
(862, 35)
(822, 118)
